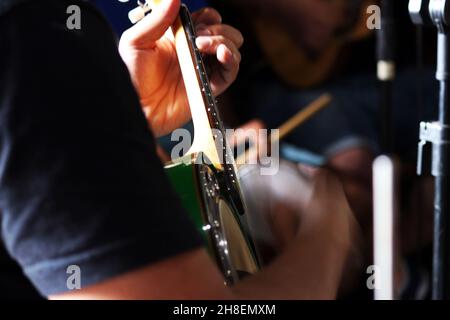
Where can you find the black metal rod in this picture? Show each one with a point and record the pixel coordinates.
(441, 251)
(386, 43)
(429, 12)
(386, 72)
(441, 156)
(386, 117)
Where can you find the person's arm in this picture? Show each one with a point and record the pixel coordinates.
(309, 268)
(81, 185)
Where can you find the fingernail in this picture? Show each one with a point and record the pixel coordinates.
(227, 52)
(203, 42)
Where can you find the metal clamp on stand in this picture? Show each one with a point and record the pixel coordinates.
(439, 136)
(438, 133)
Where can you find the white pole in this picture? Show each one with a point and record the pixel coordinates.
(383, 218)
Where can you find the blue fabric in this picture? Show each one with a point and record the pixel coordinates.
(117, 13)
(196, 4)
(294, 154)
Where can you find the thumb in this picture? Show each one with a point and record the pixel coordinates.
(153, 26)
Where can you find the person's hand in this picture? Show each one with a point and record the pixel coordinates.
(149, 53)
(313, 202)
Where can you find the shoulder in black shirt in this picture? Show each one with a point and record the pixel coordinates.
(80, 182)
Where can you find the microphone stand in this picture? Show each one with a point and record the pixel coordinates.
(438, 134)
(386, 71)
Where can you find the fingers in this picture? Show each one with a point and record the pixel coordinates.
(147, 31)
(207, 16)
(221, 30)
(227, 55)
(228, 71)
(255, 124)
(222, 41)
(226, 50)
(307, 171)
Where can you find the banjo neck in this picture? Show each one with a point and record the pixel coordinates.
(204, 111)
(209, 133)
(210, 139)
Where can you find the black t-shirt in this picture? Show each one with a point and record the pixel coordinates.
(80, 182)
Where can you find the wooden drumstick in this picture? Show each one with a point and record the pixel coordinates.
(286, 128)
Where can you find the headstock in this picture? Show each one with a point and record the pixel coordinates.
(142, 9)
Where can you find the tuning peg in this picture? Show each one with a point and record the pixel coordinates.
(139, 13)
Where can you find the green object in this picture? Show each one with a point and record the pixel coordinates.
(205, 196)
(182, 175)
